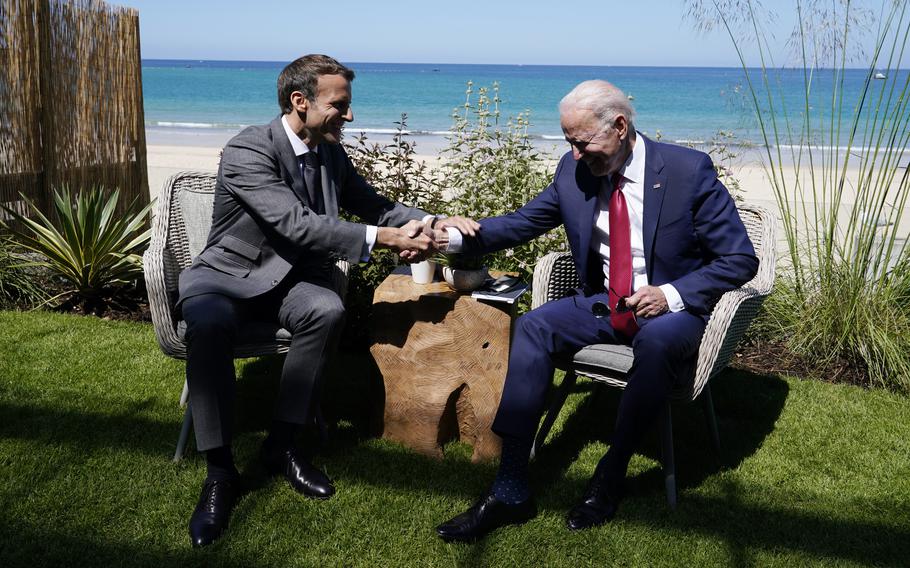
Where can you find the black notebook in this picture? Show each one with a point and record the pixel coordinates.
(504, 289)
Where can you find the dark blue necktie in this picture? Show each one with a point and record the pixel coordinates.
(312, 177)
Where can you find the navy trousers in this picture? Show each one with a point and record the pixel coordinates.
(310, 309)
(664, 357)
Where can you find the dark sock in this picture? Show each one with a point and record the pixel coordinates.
(220, 463)
(612, 470)
(511, 484)
(281, 436)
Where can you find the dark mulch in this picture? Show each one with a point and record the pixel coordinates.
(119, 307)
(126, 304)
(775, 358)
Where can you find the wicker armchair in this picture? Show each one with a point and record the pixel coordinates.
(554, 277)
(181, 227)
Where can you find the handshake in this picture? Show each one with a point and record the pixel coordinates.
(417, 240)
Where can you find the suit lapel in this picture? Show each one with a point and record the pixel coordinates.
(655, 187)
(288, 159)
(587, 213)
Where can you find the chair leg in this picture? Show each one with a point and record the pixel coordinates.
(707, 403)
(561, 395)
(666, 439)
(185, 394)
(184, 433)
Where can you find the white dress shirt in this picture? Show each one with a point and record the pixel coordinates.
(633, 174)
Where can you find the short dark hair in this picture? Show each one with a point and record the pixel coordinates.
(302, 75)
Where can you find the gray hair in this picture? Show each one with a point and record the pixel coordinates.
(600, 97)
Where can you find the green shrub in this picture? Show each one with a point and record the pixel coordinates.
(91, 248)
(394, 170)
(842, 290)
(490, 169)
(487, 170)
(19, 287)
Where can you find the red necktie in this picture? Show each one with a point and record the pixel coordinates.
(620, 261)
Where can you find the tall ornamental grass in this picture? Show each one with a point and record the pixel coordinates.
(836, 159)
(19, 287)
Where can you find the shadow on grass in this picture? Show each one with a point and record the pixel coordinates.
(747, 406)
(783, 527)
(50, 547)
(747, 409)
(125, 426)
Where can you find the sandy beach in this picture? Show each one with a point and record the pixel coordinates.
(164, 160)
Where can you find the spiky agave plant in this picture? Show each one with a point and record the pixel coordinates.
(90, 247)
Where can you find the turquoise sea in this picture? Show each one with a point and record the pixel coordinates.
(195, 101)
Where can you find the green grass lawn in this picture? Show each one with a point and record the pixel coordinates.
(810, 473)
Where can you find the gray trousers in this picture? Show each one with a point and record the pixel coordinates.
(308, 308)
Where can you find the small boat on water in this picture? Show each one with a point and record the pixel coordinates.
(880, 75)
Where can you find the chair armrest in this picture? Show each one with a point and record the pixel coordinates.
(159, 302)
(340, 274)
(554, 277)
(728, 324)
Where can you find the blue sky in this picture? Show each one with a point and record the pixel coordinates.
(514, 32)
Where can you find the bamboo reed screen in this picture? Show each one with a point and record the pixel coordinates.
(70, 100)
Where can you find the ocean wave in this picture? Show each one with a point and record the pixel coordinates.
(826, 148)
(353, 129)
(201, 125)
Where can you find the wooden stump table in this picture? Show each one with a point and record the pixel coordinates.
(443, 358)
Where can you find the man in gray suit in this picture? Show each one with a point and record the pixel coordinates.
(269, 257)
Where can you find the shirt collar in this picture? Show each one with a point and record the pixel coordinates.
(296, 143)
(634, 170)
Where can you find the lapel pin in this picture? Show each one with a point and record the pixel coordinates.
(656, 186)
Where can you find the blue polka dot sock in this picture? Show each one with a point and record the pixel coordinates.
(511, 484)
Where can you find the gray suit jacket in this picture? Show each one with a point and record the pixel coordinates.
(261, 225)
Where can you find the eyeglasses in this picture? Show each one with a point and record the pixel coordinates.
(581, 145)
(602, 310)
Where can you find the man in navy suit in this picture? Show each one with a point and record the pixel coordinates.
(655, 237)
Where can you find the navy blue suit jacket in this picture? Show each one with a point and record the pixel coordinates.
(693, 236)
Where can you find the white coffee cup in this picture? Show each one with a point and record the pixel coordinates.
(423, 272)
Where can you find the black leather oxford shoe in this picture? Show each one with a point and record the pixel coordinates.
(484, 516)
(213, 510)
(301, 474)
(597, 506)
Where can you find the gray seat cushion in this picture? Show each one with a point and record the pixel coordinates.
(252, 333)
(615, 358)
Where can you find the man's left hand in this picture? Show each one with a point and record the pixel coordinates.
(464, 225)
(648, 302)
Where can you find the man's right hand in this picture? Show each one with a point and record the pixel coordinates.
(410, 248)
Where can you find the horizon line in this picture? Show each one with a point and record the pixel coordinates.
(283, 62)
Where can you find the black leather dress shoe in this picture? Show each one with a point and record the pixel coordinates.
(486, 515)
(213, 510)
(301, 474)
(598, 506)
